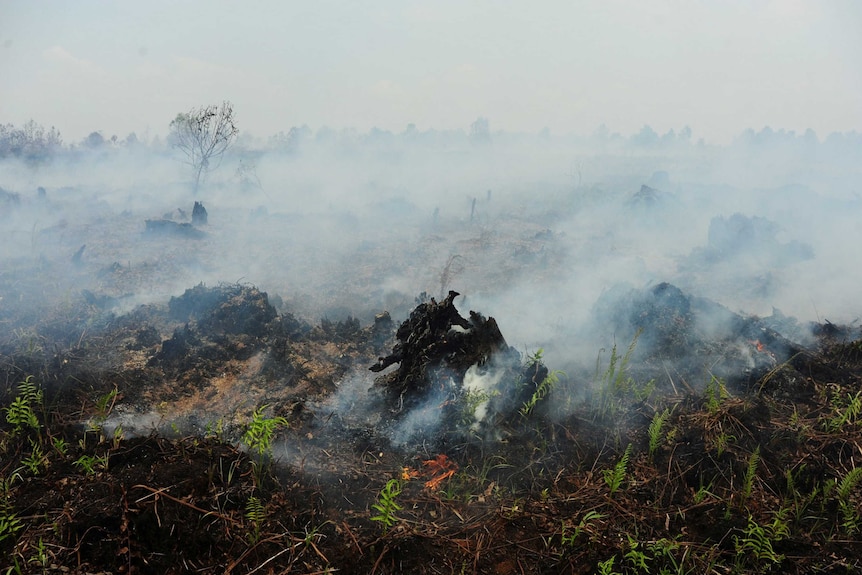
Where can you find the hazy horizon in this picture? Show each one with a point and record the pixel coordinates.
(717, 67)
(357, 220)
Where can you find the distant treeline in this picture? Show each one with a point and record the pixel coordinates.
(30, 142)
(34, 143)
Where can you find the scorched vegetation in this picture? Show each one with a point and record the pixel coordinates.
(635, 475)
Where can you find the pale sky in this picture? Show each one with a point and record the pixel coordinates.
(717, 66)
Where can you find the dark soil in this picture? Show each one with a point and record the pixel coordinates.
(134, 464)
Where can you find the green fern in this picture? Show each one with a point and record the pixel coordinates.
(386, 506)
(470, 401)
(260, 432)
(636, 556)
(846, 414)
(258, 438)
(36, 460)
(90, 464)
(547, 386)
(606, 567)
(715, 392)
(567, 539)
(255, 512)
(757, 541)
(615, 477)
(60, 445)
(9, 522)
(722, 441)
(849, 483)
(850, 520)
(655, 430)
(9, 525)
(104, 405)
(20, 413)
(750, 474)
(615, 383)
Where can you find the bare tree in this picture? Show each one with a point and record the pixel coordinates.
(204, 134)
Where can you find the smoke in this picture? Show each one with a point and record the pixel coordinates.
(424, 421)
(483, 385)
(546, 232)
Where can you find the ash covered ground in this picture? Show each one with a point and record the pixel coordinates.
(580, 361)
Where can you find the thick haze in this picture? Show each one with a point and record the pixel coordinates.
(534, 229)
(714, 146)
(719, 67)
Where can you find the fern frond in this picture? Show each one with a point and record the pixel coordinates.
(615, 477)
(750, 473)
(850, 481)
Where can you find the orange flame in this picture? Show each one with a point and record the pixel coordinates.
(438, 469)
(442, 468)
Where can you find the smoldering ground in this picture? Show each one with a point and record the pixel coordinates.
(541, 234)
(642, 299)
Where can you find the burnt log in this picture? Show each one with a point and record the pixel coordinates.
(436, 346)
(199, 215)
(171, 228)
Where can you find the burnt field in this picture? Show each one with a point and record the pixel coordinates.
(539, 378)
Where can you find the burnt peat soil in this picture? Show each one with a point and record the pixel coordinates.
(216, 432)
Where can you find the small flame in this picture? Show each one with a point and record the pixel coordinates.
(763, 349)
(442, 468)
(439, 469)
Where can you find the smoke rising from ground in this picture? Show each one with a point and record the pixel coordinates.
(534, 230)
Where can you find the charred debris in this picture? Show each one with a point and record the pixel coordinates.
(436, 349)
(233, 333)
(175, 224)
(762, 455)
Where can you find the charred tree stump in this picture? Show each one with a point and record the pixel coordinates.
(199, 215)
(436, 345)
